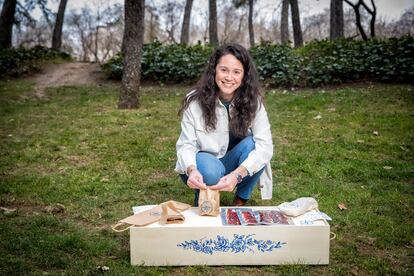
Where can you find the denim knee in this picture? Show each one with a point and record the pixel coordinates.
(245, 147)
(247, 144)
(210, 168)
(210, 175)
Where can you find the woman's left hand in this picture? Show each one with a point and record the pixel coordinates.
(227, 183)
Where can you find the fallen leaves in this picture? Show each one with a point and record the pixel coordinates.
(404, 149)
(105, 179)
(367, 240)
(342, 206)
(58, 208)
(103, 268)
(8, 211)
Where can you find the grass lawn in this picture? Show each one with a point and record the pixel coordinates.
(73, 147)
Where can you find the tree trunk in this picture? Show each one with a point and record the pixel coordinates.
(251, 30)
(284, 25)
(132, 46)
(185, 29)
(212, 23)
(151, 24)
(98, 25)
(372, 23)
(96, 44)
(358, 18)
(359, 24)
(373, 14)
(6, 23)
(297, 30)
(239, 28)
(57, 31)
(336, 20)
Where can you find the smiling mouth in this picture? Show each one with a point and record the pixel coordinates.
(228, 85)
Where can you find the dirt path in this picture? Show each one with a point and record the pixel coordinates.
(71, 73)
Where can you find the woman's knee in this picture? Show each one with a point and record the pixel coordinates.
(211, 177)
(247, 144)
(210, 168)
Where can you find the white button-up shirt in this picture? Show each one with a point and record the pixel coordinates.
(195, 138)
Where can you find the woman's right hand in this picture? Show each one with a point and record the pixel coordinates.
(195, 180)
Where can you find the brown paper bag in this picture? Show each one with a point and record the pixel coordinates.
(209, 202)
(171, 212)
(149, 216)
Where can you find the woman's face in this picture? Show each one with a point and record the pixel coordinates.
(229, 76)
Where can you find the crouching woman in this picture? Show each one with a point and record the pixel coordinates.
(225, 141)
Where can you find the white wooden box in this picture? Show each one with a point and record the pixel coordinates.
(203, 240)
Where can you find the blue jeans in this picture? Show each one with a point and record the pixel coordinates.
(213, 168)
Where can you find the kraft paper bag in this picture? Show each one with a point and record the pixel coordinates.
(149, 216)
(171, 212)
(209, 202)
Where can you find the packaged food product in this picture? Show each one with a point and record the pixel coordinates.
(247, 217)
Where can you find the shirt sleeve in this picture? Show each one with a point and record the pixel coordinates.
(187, 142)
(262, 136)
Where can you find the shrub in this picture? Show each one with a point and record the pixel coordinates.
(391, 59)
(330, 62)
(175, 62)
(277, 64)
(113, 67)
(17, 61)
(317, 63)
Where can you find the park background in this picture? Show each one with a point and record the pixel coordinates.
(81, 142)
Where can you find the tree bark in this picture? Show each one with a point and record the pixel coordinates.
(185, 29)
(152, 24)
(212, 23)
(373, 14)
(251, 29)
(98, 25)
(6, 23)
(336, 20)
(57, 31)
(132, 47)
(297, 30)
(358, 18)
(284, 25)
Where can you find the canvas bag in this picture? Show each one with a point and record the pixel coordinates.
(298, 206)
(209, 202)
(152, 215)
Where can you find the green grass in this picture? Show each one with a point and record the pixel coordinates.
(74, 147)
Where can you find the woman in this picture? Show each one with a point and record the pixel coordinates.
(225, 141)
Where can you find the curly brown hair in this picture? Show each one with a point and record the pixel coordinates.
(247, 98)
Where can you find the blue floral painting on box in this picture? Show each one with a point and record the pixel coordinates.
(240, 243)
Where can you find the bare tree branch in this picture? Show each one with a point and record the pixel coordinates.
(358, 18)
